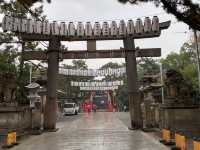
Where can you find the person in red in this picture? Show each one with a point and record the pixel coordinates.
(88, 106)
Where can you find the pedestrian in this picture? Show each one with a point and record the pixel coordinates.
(125, 108)
(94, 107)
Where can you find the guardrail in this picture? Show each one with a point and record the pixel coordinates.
(181, 142)
(196, 144)
(166, 137)
(178, 141)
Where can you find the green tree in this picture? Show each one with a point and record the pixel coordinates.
(184, 62)
(29, 3)
(7, 60)
(11, 57)
(147, 66)
(79, 64)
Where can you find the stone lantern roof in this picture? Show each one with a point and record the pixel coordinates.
(32, 86)
(151, 87)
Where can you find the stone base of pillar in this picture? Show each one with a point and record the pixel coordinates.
(135, 126)
(36, 132)
(51, 130)
(135, 111)
(50, 115)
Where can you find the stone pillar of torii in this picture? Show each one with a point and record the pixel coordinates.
(29, 29)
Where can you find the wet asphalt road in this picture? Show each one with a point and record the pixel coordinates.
(95, 131)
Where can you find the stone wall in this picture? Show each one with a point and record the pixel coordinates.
(181, 119)
(15, 118)
(7, 88)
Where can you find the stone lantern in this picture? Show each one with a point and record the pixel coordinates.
(33, 94)
(35, 104)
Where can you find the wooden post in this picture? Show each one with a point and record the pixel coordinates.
(52, 72)
(91, 45)
(133, 92)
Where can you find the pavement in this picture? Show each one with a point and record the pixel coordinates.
(94, 131)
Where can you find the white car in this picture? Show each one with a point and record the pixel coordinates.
(71, 109)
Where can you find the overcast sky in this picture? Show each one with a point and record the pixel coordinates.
(102, 10)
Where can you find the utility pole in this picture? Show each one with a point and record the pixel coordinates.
(198, 60)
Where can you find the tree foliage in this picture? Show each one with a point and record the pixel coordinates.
(185, 63)
(147, 66)
(184, 10)
(29, 3)
(7, 60)
(11, 61)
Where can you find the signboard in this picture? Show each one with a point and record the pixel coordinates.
(97, 83)
(92, 72)
(99, 88)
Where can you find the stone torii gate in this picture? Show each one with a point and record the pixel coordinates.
(34, 30)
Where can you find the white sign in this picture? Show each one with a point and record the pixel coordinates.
(97, 83)
(98, 88)
(106, 72)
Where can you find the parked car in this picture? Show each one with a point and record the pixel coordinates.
(71, 109)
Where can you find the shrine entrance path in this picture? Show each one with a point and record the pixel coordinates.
(94, 131)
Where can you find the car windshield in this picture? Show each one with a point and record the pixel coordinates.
(68, 105)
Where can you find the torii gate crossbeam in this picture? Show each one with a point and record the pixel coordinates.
(83, 54)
